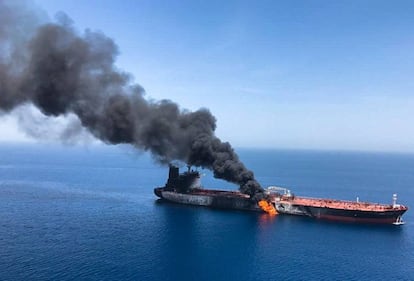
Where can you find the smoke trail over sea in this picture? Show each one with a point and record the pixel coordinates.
(63, 72)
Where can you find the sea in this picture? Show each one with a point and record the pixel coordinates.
(88, 212)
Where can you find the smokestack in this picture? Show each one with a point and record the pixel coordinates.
(61, 72)
(173, 172)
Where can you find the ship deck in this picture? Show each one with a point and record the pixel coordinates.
(341, 204)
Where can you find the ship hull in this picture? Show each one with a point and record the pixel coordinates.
(379, 217)
(209, 198)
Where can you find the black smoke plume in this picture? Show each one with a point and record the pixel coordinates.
(62, 72)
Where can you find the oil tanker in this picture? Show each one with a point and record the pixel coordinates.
(185, 188)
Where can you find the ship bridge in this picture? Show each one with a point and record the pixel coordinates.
(277, 190)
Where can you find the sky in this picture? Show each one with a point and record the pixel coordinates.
(276, 74)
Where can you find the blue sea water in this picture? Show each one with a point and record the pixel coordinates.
(89, 213)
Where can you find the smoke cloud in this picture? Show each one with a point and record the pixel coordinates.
(63, 72)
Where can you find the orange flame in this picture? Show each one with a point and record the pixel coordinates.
(267, 207)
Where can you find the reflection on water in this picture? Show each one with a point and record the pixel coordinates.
(266, 219)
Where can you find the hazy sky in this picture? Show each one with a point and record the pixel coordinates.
(281, 74)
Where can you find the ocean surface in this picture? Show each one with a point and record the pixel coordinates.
(89, 213)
